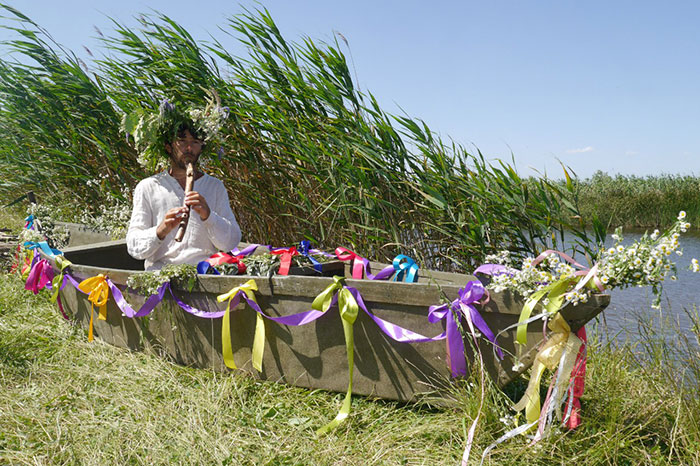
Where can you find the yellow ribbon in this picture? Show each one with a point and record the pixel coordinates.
(249, 288)
(348, 313)
(62, 263)
(560, 350)
(555, 293)
(98, 294)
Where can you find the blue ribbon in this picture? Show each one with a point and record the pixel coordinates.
(304, 247)
(30, 222)
(205, 267)
(405, 266)
(44, 246)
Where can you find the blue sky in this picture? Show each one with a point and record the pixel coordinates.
(612, 86)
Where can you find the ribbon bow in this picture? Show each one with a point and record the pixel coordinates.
(404, 265)
(62, 263)
(470, 294)
(349, 310)
(29, 222)
(304, 250)
(97, 289)
(39, 276)
(247, 291)
(285, 259)
(358, 262)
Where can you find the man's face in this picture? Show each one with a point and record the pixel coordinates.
(185, 149)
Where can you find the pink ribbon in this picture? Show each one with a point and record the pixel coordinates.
(40, 274)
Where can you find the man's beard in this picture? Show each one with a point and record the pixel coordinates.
(182, 160)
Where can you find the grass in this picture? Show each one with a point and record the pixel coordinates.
(66, 401)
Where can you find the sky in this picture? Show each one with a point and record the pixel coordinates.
(595, 85)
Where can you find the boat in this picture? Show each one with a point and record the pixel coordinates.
(313, 355)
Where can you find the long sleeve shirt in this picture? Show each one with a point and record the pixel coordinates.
(154, 196)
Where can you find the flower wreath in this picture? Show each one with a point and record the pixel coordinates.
(152, 130)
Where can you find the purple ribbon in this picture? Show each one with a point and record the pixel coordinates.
(471, 293)
(492, 269)
(248, 250)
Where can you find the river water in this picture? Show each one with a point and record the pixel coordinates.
(631, 307)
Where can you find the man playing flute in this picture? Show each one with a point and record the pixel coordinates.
(160, 201)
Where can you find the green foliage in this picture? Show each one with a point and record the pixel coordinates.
(306, 153)
(181, 276)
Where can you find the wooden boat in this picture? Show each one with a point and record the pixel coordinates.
(312, 355)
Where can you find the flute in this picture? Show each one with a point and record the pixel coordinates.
(189, 186)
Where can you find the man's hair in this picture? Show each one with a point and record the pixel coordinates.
(187, 126)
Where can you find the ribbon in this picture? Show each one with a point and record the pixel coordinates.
(29, 222)
(555, 293)
(361, 265)
(578, 382)
(559, 350)
(43, 246)
(233, 297)
(39, 276)
(224, 258)
(404, 265)
(349, 310)
(58, 281)
(248, 250)
(285, 259)
(470, 294)
(204, 267)
(304, 250)
(97, 289)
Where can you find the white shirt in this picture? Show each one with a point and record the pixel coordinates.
(154, 196)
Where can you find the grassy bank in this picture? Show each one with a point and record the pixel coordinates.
(66, 401)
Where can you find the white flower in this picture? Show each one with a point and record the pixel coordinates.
(681, 215)
(518, 367)
(611, 251)
(679, 252)
(695, 265)
(620, 248)
(616, 237)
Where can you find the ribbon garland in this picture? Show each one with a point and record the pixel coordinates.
(470, 294)
(97, 289)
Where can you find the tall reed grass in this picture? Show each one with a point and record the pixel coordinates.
(643, 202)
(308, 155)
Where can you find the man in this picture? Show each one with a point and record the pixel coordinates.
(158, 210)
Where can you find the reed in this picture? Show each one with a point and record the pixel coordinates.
(308, 155)
(643, 202)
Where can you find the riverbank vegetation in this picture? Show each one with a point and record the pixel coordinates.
(639, 202)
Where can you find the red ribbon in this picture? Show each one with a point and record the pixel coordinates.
(358, 264)
(225, 258)
(579, 382)
(286, 259)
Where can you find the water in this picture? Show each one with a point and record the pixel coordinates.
(630, 306)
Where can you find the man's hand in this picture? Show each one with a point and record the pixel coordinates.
(198, 204)
(170, 222)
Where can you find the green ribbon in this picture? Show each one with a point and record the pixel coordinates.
(555, 293)
(62, 263)
(348, 313)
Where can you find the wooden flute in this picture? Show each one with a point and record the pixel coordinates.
(189, 186)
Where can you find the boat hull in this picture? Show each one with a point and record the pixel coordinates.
(312, 355)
